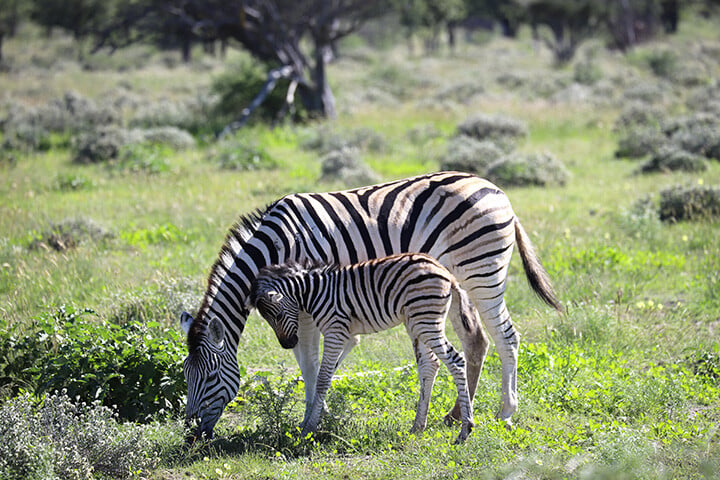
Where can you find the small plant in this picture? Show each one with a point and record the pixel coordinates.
(144, 157)
(68, 234)
(527, 170)
(467, 154)
(71, 182)
(242, 154)
(346, 166)
(689, 203)
(671, 159)
(504, 131)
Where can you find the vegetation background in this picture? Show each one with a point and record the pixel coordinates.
(115, 196)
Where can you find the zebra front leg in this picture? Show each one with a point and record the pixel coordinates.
(332, 350)
(428, 365)
(307, 354)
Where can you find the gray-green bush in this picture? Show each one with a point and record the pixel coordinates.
(467, 154)
(347, 167)
(55, 438)
(538, 169)
(671, 159)
(506, 132)
(689, 203)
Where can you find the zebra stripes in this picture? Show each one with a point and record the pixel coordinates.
(364, 298)
(463, 221)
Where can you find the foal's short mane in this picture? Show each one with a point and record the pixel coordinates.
(235, 240)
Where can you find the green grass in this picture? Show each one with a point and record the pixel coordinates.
(624, 386)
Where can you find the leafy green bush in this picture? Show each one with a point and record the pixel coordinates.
(524, 170)
(71, 182)
(638, 114)
(135, 368)
(174, 137)
(689, 203)
(55, 438)
(671, 158)
(504, 131)
(144, 157)
(239, 85)
(467, 154)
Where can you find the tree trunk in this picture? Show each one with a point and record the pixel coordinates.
(1, 46)
(186, 49)
(324, 101)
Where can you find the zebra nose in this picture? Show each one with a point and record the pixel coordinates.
(288, 342)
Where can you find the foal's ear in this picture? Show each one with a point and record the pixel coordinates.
(274, 296)
(186, 321)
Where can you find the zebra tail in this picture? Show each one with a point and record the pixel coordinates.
(534, 271)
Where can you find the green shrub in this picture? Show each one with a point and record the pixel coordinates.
(241, 153)
(238, 86)
(671, 158)
(194, 113)
(134, 368)
(467, 154)
(504, 131)
(640, 141)
(663, 63)
(54, 438)
(689, 203)
(587, 71)
(526, 170)
(347, 167)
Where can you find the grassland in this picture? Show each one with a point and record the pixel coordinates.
(624, 386)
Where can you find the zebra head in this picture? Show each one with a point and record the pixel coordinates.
(273, 298)
(212, 375)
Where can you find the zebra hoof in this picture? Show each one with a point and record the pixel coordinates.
(451, 420)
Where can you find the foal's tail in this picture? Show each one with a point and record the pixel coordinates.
(534, 271)
(464, 306)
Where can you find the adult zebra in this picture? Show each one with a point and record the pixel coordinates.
(465, 222)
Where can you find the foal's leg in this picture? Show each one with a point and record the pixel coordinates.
(428, 365)
(332, 349)
(307, 353)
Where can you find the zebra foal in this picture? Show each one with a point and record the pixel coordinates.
(368, 297)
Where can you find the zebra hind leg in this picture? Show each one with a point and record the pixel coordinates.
(475, 346)
(428, 366)
(454, 361)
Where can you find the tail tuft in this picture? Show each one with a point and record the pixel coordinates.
(534, 271)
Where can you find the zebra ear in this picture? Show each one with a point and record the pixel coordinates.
(186, 321)
(216, 332)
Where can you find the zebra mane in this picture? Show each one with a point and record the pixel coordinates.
(235, 240)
